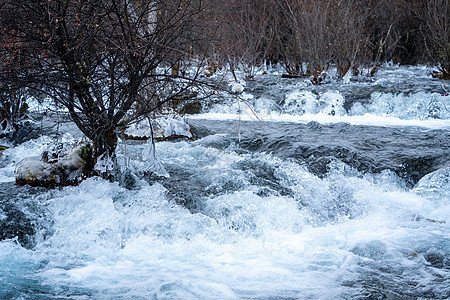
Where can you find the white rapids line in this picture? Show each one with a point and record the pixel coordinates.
(366, 119)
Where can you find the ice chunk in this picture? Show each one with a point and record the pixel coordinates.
(151, 162)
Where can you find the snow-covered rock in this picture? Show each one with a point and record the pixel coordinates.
(237, 88)
(73, 160)
(165, 127)
(33, 169)
(56, 169)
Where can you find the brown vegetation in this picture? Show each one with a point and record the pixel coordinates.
(435, 20)
(306, 36)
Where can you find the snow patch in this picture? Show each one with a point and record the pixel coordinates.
(163, 127)
(237, 88)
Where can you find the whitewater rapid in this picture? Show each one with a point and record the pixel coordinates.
(299, 205)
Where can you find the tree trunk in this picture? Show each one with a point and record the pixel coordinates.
(105, 142)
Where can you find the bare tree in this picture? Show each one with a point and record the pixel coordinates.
(387, 25)
(294, 32)
(15, 66)
(288, 36)
(104, 57)
(435, 17)
(311, 37)
(348, 26)
(243, 35)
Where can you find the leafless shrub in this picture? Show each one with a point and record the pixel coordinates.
(349, 42)
(435, 17)
(243, 33)
(15, 63)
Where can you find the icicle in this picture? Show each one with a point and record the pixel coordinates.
(239, 122)
(347, 76)
(149, 156)
(125, 160)
(104, 165)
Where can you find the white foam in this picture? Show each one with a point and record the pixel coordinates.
(366, 119)
(336, 237)
(137, 244)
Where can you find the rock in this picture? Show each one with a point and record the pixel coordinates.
(437, 260)
(441, 75)
(286, 75)
(237, 88)
(23, 218)
(413, 169)
(2, 148)
(165, 127)
(53, 169)
(15, 224)
(128, 180)
(35, 172)
(191, 108)
(317, 77)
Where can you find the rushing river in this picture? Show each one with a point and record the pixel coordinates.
(340, 191)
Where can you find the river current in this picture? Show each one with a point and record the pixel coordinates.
(339, 191)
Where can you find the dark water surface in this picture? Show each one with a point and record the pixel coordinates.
(411, 152)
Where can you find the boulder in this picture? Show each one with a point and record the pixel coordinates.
(56, 169)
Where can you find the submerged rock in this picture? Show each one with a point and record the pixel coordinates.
(15, 224)
(56, 169)
(435, 185)
(22, 216)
